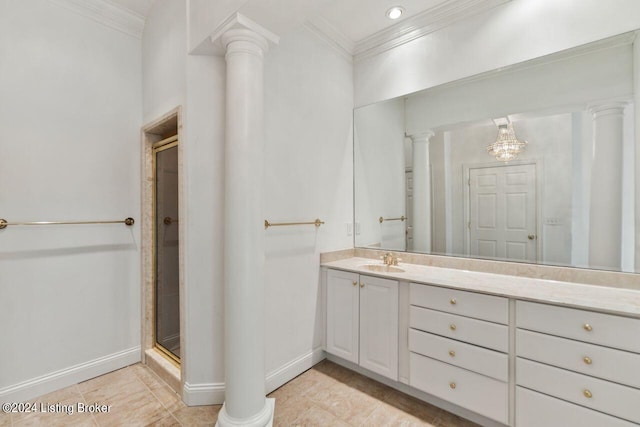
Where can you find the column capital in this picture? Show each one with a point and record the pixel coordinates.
(244, 40)
(217, 41)
(422, 137)
(607, 108)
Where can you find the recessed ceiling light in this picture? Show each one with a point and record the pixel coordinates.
(395, 12)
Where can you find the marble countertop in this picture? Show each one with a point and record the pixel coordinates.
(614, 300)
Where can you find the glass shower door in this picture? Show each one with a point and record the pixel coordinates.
(167, 238)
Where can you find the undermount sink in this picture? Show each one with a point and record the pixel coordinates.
(382, 268)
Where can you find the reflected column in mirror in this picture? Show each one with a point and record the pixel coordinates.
(421, 209)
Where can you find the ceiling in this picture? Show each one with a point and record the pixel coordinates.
(355, 19)
(359, 19)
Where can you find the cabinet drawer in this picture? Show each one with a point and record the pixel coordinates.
(471, 304)
(610, 398)
(535, 410)
(598, 328)
(479, 332)
(602, 362)
(478, 359)
(484, 395)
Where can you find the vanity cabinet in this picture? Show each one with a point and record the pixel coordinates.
(576, 367)
(362, 321)
(459, 344)
(481, 344)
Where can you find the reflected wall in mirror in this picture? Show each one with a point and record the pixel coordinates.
(424, 181)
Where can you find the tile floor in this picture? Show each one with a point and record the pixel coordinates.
(326, 395)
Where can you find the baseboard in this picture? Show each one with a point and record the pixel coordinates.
(203, 394)
(69, 376)
(213, 393)
(290, 370)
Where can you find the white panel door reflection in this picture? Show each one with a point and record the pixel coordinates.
(502, 212)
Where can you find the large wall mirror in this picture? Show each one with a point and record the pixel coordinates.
(425, 181)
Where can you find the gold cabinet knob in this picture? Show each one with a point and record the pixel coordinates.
(361, 285)
(452, 353)
(587, 327)
(452, 385)
(453, 301)
(531, 236)
(587, 360)
(452, 327)
(587, 394)
(355, 283)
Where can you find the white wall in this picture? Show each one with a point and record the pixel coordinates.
(164, 56)
(70, 118)
(172, 78)
(204, 169)
(508, 34)
(308, 175)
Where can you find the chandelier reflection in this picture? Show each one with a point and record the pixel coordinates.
(507, 147)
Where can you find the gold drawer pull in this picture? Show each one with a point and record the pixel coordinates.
(587, 394)
(587, 360)
(452, 353)
(362, 285)
(453, 301)
(452, 385)
(355, 283)
(587, 327)
(452, 327)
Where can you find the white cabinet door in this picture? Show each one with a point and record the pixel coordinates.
(379, 326)
(343, 314)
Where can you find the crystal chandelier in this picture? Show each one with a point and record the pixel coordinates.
(507, 147)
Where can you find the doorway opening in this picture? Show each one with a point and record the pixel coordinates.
(162, 252)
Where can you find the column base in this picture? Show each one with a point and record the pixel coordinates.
(262, 419)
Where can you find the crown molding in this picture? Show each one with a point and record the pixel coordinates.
(107, 13)
(421, 24)
(332, 36)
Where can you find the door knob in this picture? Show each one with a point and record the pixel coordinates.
(531, 236)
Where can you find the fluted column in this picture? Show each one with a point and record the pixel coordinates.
(605, 214)
(421, 192)
(245, 402)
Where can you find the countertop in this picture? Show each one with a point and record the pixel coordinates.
(601, 298)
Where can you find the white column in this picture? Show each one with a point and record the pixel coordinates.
(421, 192)
(605, 214)
(245, 402)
